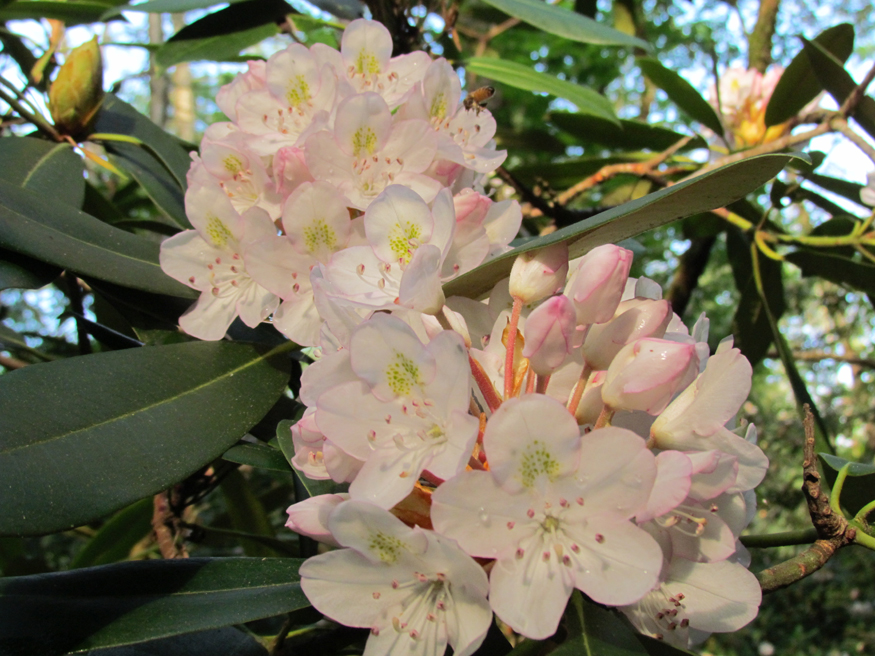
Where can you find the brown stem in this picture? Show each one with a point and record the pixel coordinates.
(832, 528)
(856, 96)
(163, 525)
(760, 41)
(691, 265)
(11, 363)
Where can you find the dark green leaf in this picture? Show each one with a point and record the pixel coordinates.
(224, 33)
(19, 271)
(561, 175)
(101, 207)
(836, 268)
(226, 641)
(20, 53)
(118, 535)
(526, 78)
(118, 117)
(129, 603)
(799, 84)
(681, 93)
(72, 13)
(596, 631)
(846, 188)
(565, 23)
(633, 135)
(839, 83)
(172, 6)
(82, 437)
(41, 165)
(656, 647)
(42, 227)
(257, 455)
(716, 188)
(859, 487)
(247, 513)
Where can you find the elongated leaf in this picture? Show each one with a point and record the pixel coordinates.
(700, 194)
(596, 631)
(859, 487)
(134, 602)
(118, 117)
(835, 267)
(42, 165)
(115, 539)
(524, 77)
(170, 6)
(247, 513)
(82, 437)
(839, 83)
(51, 231)
(19, 271)
(565, 23)
(72, 13)
(633, 135)
(845, 188)
(799, 85)
(227, 641)
(681, 93)
(258, 455)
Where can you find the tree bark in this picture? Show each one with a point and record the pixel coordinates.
(759, 50)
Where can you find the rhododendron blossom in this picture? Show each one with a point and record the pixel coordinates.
(569, 431)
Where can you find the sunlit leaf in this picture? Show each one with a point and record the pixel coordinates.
(681, 93)
(859, 487)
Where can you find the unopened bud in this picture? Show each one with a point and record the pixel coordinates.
(539, 274)
(77, 91)
(549, 331)
(597, 284)
(635, 319)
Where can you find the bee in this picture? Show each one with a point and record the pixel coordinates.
(477, 99)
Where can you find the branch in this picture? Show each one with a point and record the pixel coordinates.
(760, 41)
(832, 528)
(11, 363)
(164, 524)
(36, 119)
(856, 96)
(817, 356)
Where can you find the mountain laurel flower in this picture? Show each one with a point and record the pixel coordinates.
(553, 511)
(210, 260)
(549, 333)
(415, 590)
(596, 284)
(540, 273)
(646, 374)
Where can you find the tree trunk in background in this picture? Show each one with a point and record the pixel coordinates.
(182, 95)
(157, 83)
(759, 47)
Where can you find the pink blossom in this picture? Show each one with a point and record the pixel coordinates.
(633, 320)
(549, 333)
(540, 273)
(597, 282)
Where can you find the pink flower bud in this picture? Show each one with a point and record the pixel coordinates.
(470, 206)
(549, 331)
(646, 374)
(597, 285)
(539, 274)
(591, 403)
(635, 319)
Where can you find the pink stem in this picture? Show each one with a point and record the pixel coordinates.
(511, 346)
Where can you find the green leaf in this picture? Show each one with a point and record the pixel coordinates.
(859, 487)
(630, 135)
(82, 437)
(135, 602)
(41, 165)
(835, 267)
(257, 455)
(118, 535)
(596, 631)
(681, 93)
(224, 33)
(845, 188)
(566, 23)
(171, 6)
(523, 77)
(19, 271)
(42, 227)
(118, 117)
(247, 513)
(227, 641)
(72, 13)
(799, 84)
(839, 83)
(714, 189)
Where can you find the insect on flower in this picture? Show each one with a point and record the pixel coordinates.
(476, 100)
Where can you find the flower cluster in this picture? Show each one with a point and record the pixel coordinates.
(743, 98)
(567, 432)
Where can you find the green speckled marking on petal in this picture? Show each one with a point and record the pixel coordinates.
(233, 164)
(387, 548)
(364, 141)
(319, 233)
(438, 106)
(402, 374)
(400, 237)
(537, 460)
(217, 231)
(366, 62)
(298, 91)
